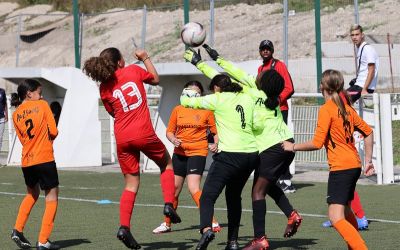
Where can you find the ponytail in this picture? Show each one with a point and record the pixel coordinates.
(332, 81)
(102, 68)
(15, 101)
(272, 83)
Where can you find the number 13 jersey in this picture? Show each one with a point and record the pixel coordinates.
(36, 129)
(125, 99)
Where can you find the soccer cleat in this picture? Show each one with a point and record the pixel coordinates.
(205, 239)
(163, 228)
(287, 189)
(216, 228)
(362, 223)
(232, 245)
(258, 244)
(47, 246)
(327, 223)
(294, 222)
(124, 235)
(170, 212)
(19, 239)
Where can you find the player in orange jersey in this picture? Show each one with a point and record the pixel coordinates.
(36, 129)
(123, 94)
(336, 124)
(187, 130)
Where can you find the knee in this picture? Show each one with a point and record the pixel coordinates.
(35, 196)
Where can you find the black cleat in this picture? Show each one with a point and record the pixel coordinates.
(124, 235)
(170, 212)
(47, 246)
(232, 245)
(205, 239)
(19, 239)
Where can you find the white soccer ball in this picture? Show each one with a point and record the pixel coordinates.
(193, 34)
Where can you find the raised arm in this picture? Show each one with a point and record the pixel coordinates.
(195, 59)
(203, 102)
(142, 55)
(241, 76)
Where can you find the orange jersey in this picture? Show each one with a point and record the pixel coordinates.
(190, 126)
(36, 129)
(337, 137)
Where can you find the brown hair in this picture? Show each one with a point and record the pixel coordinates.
(102, 68)
(332, 81)
(356, 27)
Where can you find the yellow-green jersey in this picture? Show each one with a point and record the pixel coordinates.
(268, 125)
(234, 119)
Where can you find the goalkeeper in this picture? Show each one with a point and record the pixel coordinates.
(269, 130)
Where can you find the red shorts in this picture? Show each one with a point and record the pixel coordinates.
(129, 153)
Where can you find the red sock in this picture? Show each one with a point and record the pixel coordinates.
(126, 205)
(167, 180)
(356, 206)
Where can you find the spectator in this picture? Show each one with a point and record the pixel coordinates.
(266, 50)
(367, 65)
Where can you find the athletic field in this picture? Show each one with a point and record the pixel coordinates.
(83, 223)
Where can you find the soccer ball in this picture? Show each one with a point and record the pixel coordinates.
(193, 34)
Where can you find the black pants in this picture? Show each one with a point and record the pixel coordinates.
(230, 170)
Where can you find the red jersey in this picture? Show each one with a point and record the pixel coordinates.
(36, 129)
(288, 90)
(125, 99)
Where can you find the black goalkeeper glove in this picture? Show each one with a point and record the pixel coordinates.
(212, 52)
(192, 56)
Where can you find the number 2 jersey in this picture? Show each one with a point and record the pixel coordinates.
(125, 99)
(36, 129)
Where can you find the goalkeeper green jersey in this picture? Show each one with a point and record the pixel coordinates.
(234, 119)
(268, 125)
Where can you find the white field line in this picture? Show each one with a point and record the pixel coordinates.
(191, 207)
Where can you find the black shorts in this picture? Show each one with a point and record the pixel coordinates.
(341, 186)
(274, 162)
(45, 174)
(185, 165)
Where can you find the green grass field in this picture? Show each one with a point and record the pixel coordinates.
(82, 223)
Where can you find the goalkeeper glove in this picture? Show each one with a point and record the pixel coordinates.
(212, 52)
(192, 56)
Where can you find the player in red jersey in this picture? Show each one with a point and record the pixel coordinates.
(124, 97)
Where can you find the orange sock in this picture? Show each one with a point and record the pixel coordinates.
(24, 211)
(350, 235)
(167, 220)
(48, 221)
(196, 199)
(351, 218)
